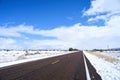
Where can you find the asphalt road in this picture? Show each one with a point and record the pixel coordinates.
(65, 67)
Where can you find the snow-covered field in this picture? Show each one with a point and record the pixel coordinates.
(107, 70)
(15, 57)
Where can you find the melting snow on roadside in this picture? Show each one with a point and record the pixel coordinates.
(107, 70)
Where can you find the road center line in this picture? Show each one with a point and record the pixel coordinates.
(55, 62)
(86, 68)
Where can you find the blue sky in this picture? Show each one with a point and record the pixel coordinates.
(59, 24)
(43, 14)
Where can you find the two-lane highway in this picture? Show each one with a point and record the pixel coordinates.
(65, 67)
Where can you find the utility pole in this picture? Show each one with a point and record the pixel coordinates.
(108, 47)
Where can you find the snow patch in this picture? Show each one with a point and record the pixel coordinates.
(107, 70)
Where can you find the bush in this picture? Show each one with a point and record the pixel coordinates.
(71, 49)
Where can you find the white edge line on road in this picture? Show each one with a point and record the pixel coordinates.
(86, 68)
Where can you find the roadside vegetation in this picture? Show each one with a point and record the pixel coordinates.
(107, 58)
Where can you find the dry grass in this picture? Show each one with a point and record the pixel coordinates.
(107, 58)
(20, 57)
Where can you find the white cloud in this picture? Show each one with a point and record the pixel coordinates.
(48, 44)
(103, 10)
(8, 43)
(73, 36)
(103, 6)
(114, 21)
(16, 31)
(104, 17)
(8, 32)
